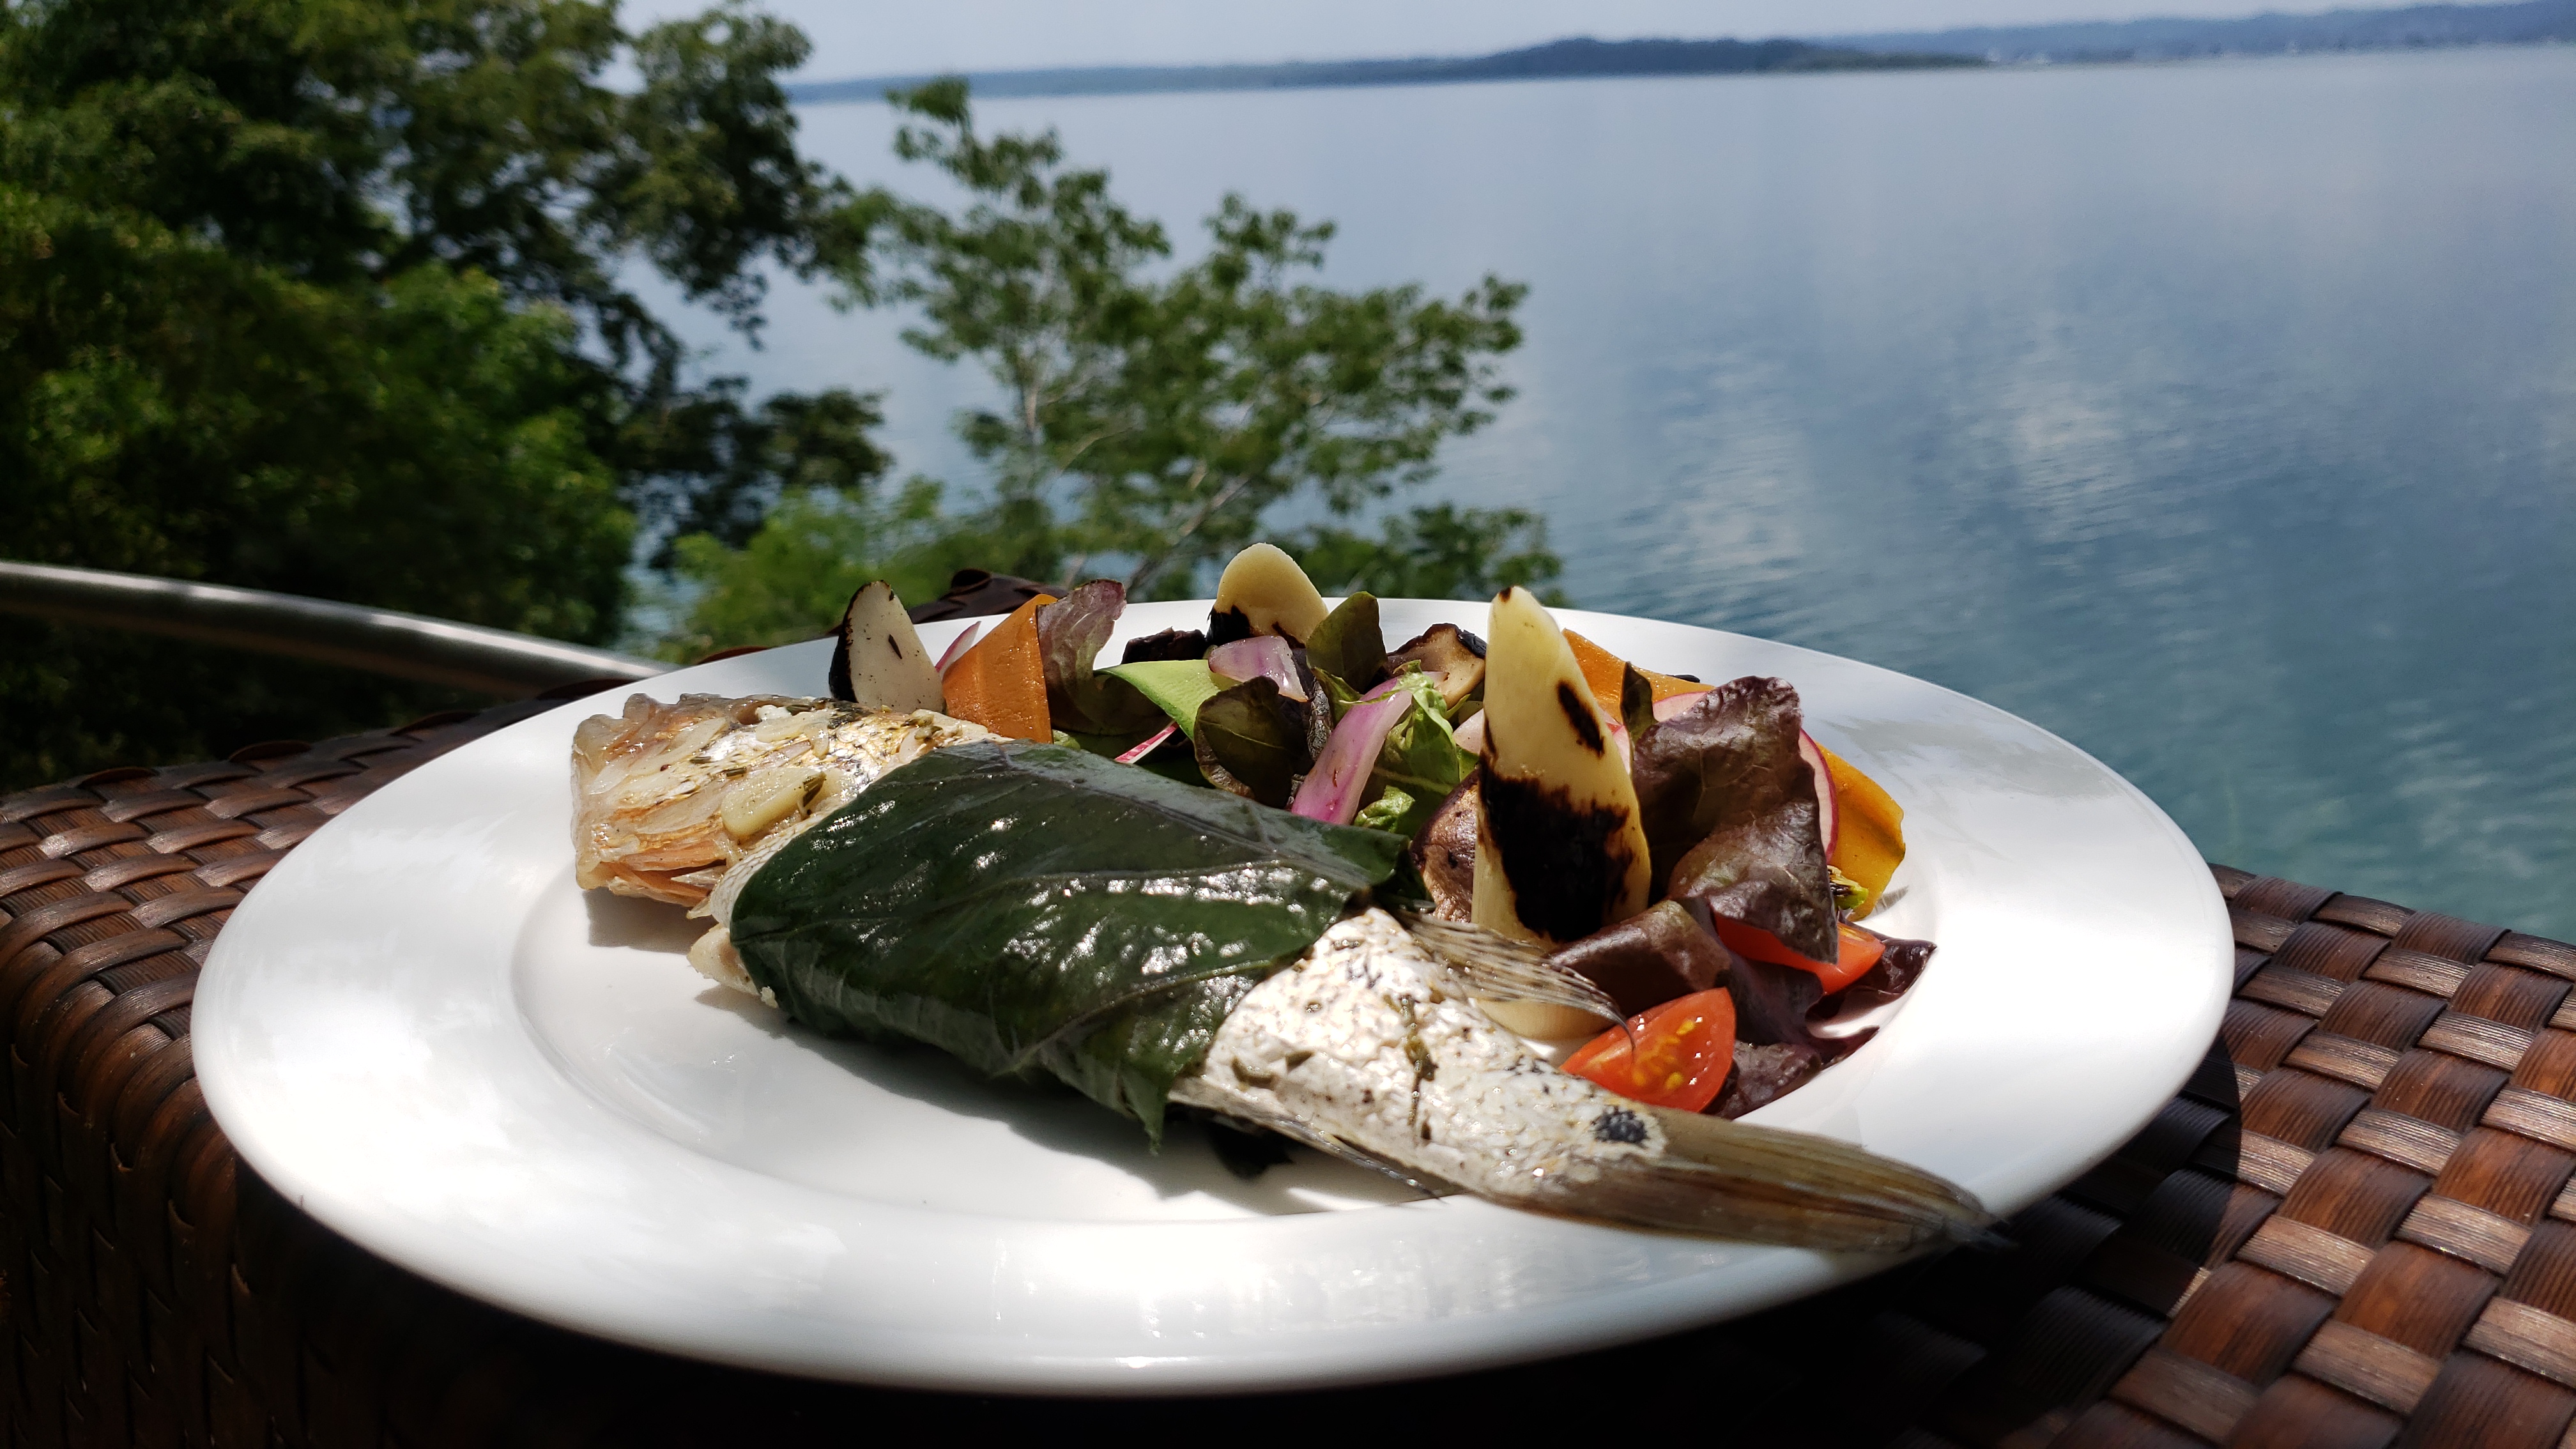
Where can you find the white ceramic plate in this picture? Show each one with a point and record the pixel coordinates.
(417, 1029)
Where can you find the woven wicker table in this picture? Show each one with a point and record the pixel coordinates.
(2385, 1249)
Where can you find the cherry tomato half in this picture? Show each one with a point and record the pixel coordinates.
(1684, 1050)
(1857, 950)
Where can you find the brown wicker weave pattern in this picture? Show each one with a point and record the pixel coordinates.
(2400, 1254)
(2398, 1251)
(119, 1235)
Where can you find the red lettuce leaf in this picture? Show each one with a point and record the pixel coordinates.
(1648, 959)
(1765, 1074)
(1730, 814)
(1350, 645)
(1071, 633)
(1772, 1003)
(1898, 968)
(1252, 741)
(1170, 644)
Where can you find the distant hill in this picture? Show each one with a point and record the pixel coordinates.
(1560, 59)
(2415, 26)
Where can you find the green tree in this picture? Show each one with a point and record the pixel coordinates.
(1155, 415)
(795, 575)
(326, 296)
(1439, 552)
(1182, 406)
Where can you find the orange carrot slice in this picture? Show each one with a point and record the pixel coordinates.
(1669, 685)
(1869, 827)
(1603, 671)
(1001, 682)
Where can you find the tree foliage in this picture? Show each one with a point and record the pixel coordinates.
(1156, 415)
(795, 575)
(325, 296)
(1181, 403)
(333, 297)
(1439, 552)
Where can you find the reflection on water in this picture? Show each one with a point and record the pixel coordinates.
(2219, 417)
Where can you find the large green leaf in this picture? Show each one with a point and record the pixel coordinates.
(1034, 907)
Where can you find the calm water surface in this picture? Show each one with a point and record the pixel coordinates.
(2218, 417)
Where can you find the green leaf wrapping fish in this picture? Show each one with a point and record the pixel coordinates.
(972, 900)
(1037, 910)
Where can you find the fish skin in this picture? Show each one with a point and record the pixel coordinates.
(1353, 1047)
(1352, 1041)
(650, 784)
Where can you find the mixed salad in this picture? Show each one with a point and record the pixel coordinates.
(1685, 848)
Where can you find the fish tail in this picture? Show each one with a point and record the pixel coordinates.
(1764, 1185)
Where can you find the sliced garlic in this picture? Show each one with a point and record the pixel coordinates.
(785, 726)
(768, 796)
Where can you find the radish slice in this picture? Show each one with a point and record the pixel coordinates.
(1331, 791)
(1672, 705)
(1147, 748)
(1471, 735)
(1264, 656)
(957, 648)
(1828, 819)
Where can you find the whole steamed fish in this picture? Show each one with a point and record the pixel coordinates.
(1365, 1044)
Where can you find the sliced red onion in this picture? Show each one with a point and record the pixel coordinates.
(1264, 656)
(1147, 748)
(1331, 791)
(957, 648)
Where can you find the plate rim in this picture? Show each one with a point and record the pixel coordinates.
(1468, 1343)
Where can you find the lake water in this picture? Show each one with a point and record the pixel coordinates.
(2220, 417)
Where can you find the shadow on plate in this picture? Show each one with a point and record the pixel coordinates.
(1044, 1114)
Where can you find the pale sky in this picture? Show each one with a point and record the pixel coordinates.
(869, 37)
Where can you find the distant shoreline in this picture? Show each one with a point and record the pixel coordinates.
(1581, 57)
(2089, 42)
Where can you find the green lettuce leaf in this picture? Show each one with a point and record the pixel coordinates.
(1419, 765)
(1389, 811)
(1031, 908)
(1337, 696)
(1176, 686)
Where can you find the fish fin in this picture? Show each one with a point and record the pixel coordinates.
(1476, 963)
(1762, 1184)
(1331, 1146)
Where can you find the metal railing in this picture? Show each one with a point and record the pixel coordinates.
(380, 641)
